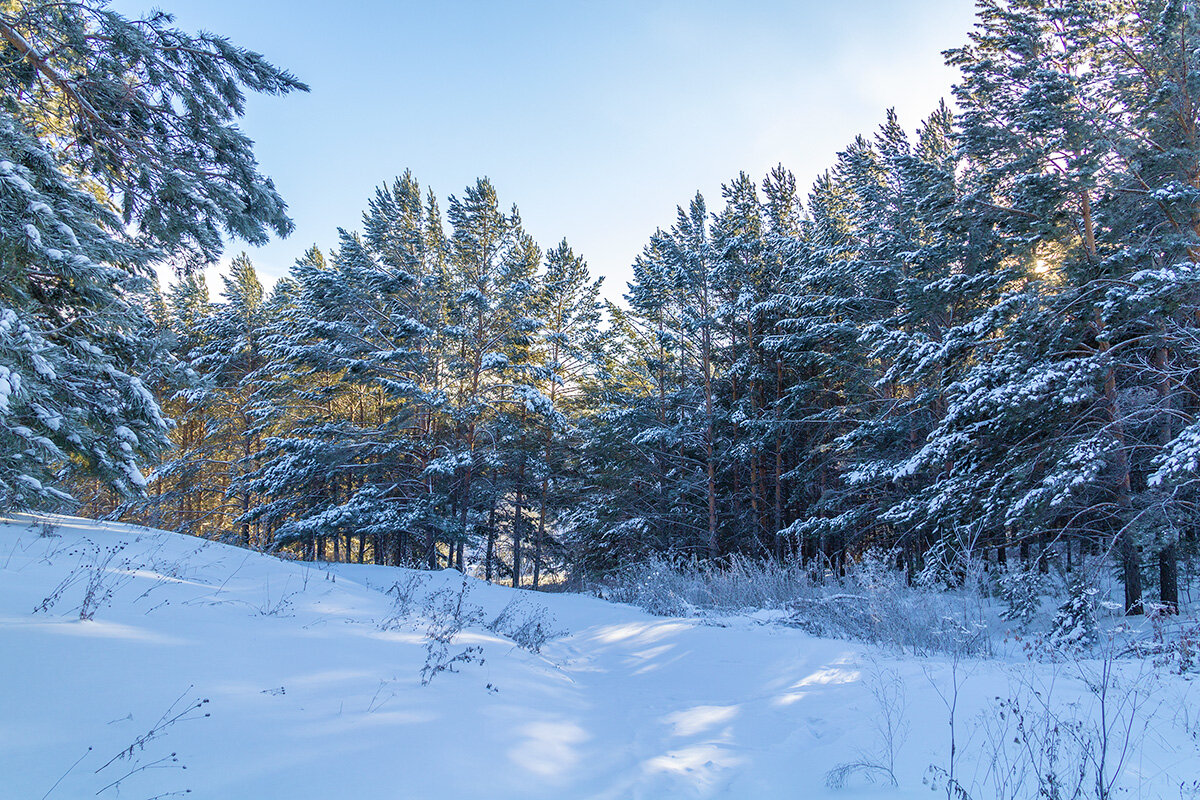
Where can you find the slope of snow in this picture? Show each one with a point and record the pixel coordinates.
(312, 675)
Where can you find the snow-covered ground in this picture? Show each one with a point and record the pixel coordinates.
(313, 680)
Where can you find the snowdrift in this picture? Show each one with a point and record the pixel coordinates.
(145, 664)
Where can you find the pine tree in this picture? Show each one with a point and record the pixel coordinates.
(141, 115)
(492, 263)
(569, 353)
(230, 358)
(184, 490)
(636, 500)
(819, 307)
(292, 471)
(693, 262)
(146, 112)
(1051, 112)
(1074, 628)
(1153, 211)
(742, 282)
(74, 336)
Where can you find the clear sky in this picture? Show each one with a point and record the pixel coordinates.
(596, 118)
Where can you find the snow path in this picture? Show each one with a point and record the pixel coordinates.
(313, 694)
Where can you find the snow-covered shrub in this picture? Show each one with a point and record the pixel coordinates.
(656, 585)
(1074, 626)
(921, 623)
(1186, 649)
(403, 594)
(530, 627)
(1174, 645)
(448, 614)
(875, 604)
(101, 575)
(685, 586)
(1070, 732)
(1021, 589)
(875, 570)
(872, 603)
(887, 690)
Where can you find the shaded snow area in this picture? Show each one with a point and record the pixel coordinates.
(203, 667)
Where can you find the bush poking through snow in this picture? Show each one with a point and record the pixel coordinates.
(913, 621)
(679, 587)
(530, 627)
(134, 760)
(99, 575)
(448, 613)
(279, 606)
(403, 594)
(872, 603)
(1174, 645)
(1036, 744)
(887, 689)
(941, 566)
(1034, 752)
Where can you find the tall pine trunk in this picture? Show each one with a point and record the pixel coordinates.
(518, 521)
(490, 556)
(1168, 557)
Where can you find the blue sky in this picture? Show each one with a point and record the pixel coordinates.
(595, 118)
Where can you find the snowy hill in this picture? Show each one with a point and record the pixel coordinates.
(275, 679)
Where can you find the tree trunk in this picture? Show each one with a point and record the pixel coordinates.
(755, 504)
(1168, 562)
(778, 452)
(541, 533)
(1131, 566)
(710, 464)
(1168, 578)
(490, 557)
(1131, 570)
(518, 519)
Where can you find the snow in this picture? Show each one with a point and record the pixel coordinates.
(21, 184)
(43, 367)
(312, 678)
(10, 384)
(50, 418)
(132, 472)
(493, 361)
(31, 482)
